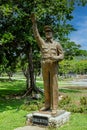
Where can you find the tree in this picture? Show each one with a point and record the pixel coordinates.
(74, 66)
(71, 49)
(83, 53)
(15, 26)
(8, 59)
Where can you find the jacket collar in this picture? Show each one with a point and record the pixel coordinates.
(51, 40)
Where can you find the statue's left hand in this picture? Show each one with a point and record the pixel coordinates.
(54, 58)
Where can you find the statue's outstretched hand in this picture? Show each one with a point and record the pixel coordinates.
(33, 18)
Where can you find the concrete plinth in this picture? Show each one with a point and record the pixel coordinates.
(47, 119)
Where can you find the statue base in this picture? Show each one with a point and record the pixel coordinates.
(45, 118)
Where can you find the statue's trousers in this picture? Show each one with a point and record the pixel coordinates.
(49, 71)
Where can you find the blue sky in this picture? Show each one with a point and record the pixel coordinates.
(80, 23)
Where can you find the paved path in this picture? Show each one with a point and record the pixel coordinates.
(30, 128)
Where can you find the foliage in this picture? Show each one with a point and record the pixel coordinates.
(76, 108)
(79, 106)
(83, 53)
(32, 105)
(71, 49)
(65, 100)
(74, 66)
(83, 100)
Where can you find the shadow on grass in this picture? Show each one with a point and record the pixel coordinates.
(4, 93)
(10, 99)
(10, 80)
(10, 104)
(10, 94)
(6, 80)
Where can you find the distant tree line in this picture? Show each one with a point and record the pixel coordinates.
(73, 67)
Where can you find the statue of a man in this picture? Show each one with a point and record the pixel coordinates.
(52, 53)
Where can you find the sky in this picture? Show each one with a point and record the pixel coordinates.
(80, 24)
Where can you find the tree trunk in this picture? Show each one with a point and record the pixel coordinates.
(32, 86)
(31, 68)
(26, 74)
(27, 82)
(10, 74)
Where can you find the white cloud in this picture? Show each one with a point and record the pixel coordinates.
(80, 36)
(82, 21)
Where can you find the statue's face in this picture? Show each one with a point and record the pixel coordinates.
(48, 34)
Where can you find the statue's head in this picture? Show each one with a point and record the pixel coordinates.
(48, 31)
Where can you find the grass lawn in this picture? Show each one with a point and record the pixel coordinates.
(77, 122)
(13, 114)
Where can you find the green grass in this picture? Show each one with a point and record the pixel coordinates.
(11, 87)
(11, 119)
(13, 114)
(77, 122)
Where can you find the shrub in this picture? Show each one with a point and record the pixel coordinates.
(83, 100)
(65, 100)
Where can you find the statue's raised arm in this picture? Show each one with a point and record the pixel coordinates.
(37, 36)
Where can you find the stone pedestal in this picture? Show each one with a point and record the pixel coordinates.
(47, 119)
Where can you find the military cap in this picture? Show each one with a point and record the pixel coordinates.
(47, 28)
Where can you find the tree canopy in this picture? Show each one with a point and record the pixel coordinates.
(16, 37)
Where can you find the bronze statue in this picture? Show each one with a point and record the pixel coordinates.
(52, 53)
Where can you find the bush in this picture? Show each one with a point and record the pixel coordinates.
(67, 104)
(76, 109)
(32, 105)
(65, 100)
(83, 100)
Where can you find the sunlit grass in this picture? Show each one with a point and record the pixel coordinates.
(77, 122)
(11, 116)
(11, 119)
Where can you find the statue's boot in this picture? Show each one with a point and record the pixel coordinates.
(54, 112)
